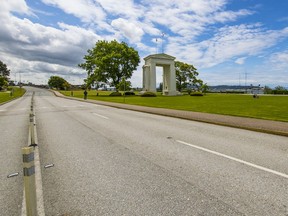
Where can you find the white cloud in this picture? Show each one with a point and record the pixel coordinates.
(279, 60)
(130, 30)
(241, 60)
(86, 10)
(37, 42)
(190, 18)
(228, 43)
(18, 6)
(184, 22)
(39, 72)
(128, 9)
(35, 49)
(224, 16)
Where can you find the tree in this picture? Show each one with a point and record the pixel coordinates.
(4, 71)
(267, 90)
(3, 83)
(109, 62)
(160, 87)
(197, 84)
(204, 88)
(185, 74)
(280, 88)
(58, 83)
(124, 85)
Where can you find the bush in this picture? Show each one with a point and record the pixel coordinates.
(196, 94)
(115, 94)
(280, 92)
(129, 93)
(148, 94)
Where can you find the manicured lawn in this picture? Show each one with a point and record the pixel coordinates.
(266, 107)
(6, 96)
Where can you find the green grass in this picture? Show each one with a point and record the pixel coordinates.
(6, 96)
(266, 107)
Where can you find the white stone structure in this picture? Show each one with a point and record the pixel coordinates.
(169, 74)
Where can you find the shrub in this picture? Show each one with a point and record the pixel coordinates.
(129, 93)
(196, 94)
(148, 94)
(115, 94)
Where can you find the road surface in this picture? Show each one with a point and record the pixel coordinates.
(111, 161)
(14, 126)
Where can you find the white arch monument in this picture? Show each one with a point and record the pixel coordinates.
(169, 74)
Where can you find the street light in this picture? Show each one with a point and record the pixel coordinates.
(124, 87)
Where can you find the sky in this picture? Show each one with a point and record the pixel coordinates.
(230, 42)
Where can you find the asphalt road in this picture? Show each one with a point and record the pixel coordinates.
(111, 161)
(14, 122)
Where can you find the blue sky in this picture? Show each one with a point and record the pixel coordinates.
(229, 41)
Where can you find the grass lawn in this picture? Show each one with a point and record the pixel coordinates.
(6, 96)
(266, 107)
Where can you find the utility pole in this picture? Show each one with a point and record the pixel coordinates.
(156, 45)
(246, 80)
(162, 35)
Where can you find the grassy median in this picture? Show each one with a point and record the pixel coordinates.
(265, 107)
(7, 95)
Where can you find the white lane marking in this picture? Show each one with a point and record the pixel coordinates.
(100, 116)
(235, 159)
(73, 106)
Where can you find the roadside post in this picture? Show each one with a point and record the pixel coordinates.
(29, 180)
(32, 132)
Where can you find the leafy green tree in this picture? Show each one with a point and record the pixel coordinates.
(267, 90)
(108, 62)
(124, 85)
(204, 88)
(280, 88)
(160, 87)
(197, 84)
(3, 83)
(58, 83)
(4, 71)
(185, 74)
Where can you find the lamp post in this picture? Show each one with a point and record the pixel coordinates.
(124, 87)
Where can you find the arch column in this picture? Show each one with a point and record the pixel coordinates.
(169, 74)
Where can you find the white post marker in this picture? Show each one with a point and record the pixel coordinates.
(29, 181)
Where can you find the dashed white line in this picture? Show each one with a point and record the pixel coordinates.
(235, 159)
(100, 116)
(42, 107)
(73, 106)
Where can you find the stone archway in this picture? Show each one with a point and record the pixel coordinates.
(169, 74)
